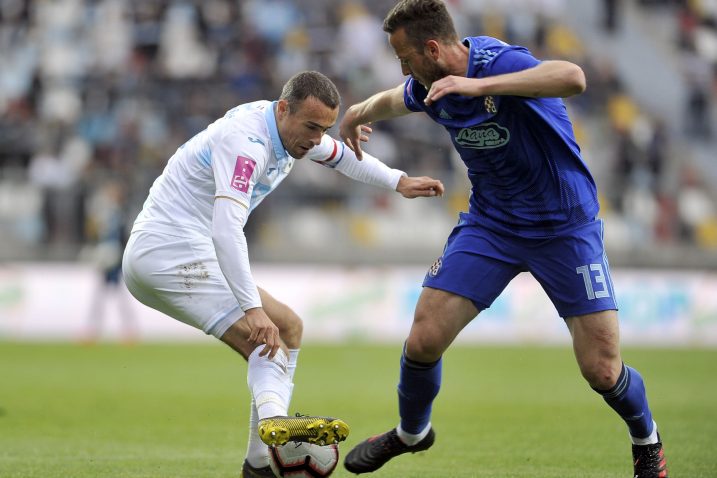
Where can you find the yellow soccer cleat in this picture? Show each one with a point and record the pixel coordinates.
(276, 431)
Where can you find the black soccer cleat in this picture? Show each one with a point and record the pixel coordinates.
(248, 471)
(649, 460)
(371, 454)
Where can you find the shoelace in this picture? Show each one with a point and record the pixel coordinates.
(388, 442)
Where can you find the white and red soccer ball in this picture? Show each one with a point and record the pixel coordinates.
(303, 460)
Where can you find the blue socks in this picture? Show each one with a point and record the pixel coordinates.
(420, 382)
(417, 388)
(629, 400)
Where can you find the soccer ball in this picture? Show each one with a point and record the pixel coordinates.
(303, 460)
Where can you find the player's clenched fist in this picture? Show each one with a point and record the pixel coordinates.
(262, 330)
(423, 186)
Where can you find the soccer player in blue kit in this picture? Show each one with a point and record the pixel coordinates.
(533, 207)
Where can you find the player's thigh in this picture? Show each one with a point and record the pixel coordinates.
(180, 277)
(439, 317)
(573, 270)
(476, 264)
(289, 323)
(596, 342)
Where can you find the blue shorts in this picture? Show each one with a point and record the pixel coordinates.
(478, 263)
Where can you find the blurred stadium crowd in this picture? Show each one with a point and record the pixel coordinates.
(95, 96)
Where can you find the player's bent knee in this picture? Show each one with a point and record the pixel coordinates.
(292, 330)
(601, 374)
(422, 348)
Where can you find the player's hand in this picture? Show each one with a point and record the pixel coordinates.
(459, 85)
(423, 186)
(262, 331)
(353, 134)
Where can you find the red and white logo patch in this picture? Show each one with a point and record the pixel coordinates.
(243, 170)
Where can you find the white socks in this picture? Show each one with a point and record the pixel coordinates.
(256, 451)
(409, 438)
(271, 384)
(291, 366)
(652, 439)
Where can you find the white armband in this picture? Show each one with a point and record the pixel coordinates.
(232, 252)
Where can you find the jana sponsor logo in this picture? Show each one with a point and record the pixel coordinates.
(243, 170)
(485, 136)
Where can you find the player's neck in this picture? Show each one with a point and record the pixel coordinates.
(457, 59)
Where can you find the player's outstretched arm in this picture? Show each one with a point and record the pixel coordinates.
(551, 79)
(371, 170)
(384, 105)
(413, 187)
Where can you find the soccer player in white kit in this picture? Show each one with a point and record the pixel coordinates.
(187, 253)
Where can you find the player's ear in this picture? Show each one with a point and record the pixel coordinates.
(282, 108)
(432, 49)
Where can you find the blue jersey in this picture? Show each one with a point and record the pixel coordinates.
(523, 162)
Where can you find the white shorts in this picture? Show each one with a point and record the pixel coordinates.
(180, 277)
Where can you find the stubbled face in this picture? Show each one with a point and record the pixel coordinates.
(414, 62)
(303, 128)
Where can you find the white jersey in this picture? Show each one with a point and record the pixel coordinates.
(240, 157)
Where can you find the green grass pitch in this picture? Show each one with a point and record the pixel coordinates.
(180, 410)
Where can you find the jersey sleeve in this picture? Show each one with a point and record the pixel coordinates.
(238, 162)
(508, 60)
(414, 95)
(336, 155)
(328, 153)
(228, 221)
